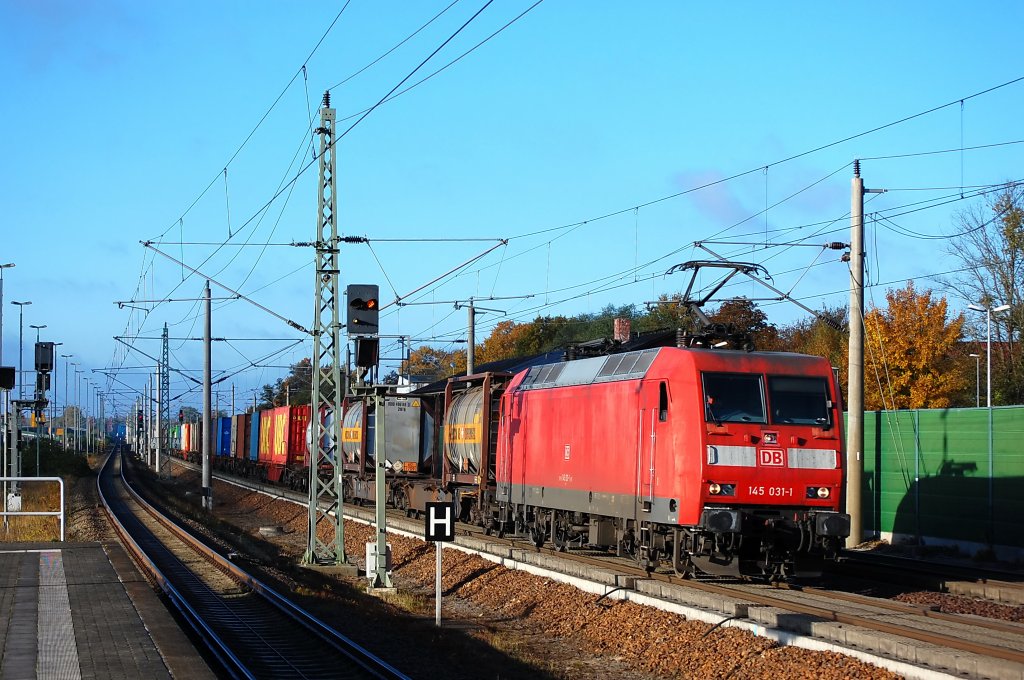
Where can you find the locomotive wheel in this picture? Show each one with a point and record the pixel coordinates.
(560, 532)
(537, 534)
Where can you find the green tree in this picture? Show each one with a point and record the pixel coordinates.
(989, 241)
(744, 316)
(668, 312)
(434, 364)
(913, 356)
(295, 388)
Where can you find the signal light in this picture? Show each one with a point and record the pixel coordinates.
(363, 309)
(367, 352)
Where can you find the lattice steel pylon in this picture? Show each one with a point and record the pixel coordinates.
(325, 466)
(164, 399)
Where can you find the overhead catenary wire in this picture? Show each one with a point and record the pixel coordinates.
(289, 186)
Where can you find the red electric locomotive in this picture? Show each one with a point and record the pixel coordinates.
(724, 462)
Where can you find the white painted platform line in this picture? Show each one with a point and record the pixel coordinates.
(58, 652)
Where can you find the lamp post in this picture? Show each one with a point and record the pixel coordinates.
(21, 349)
(64, 417)
(85, 414)
(977, 380)
(2, 268)
(989, 311)
(38, 329)
(53, 403)
(39, 430)
(78, 410)
(988, 386)
(3, 405)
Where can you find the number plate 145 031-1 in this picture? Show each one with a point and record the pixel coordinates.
(771, 491)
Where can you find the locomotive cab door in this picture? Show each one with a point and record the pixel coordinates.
(511, 488)
(652, 420)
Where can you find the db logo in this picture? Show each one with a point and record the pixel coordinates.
(773, 457)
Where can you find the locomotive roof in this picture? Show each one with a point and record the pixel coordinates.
(624, 366)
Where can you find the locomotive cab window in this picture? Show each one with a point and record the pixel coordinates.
(663, 402)
(799, 401)
(733, 398)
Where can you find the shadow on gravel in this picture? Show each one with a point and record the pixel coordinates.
(462, 649)
(471, 576)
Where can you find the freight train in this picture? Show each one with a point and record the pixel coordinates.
(713, 461)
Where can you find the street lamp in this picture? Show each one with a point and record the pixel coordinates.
(84, 398)
(988, 384)
(53, 404)
(989, 311)
(78, 411)
(64, 417)
(2, 268)
(38, 328)
(21, 349)
(3, 404)
(977, 379)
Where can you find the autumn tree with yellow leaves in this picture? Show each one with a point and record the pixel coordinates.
(913, 355)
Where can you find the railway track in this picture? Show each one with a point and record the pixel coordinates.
(253, 631)
(935, 575)
(815, 612)
(970, 634)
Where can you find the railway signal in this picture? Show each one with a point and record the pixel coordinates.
(363, 309)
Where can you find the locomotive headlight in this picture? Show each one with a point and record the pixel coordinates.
(714, 489)
(823, 492)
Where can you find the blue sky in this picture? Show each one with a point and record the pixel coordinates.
(120, 118)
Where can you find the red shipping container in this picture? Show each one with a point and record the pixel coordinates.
(240, 433)
(283, 436)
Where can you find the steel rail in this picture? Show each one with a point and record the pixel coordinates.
(937, 571)
(367, 663)
(938, 639)
(214, 643)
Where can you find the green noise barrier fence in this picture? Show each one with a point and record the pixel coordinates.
(951, 474)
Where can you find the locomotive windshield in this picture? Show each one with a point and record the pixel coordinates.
(799, 401)
(733, 398)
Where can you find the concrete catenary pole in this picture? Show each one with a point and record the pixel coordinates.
(855, 390)
(207, 420)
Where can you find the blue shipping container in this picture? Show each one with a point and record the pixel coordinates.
(223, 436)
(254, 436)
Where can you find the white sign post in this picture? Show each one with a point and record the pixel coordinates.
(440, 528)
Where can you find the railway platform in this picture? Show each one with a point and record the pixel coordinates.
(82, 610)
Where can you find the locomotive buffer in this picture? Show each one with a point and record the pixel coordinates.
(439, 528)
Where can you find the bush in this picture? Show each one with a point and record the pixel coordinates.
(53, 459)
